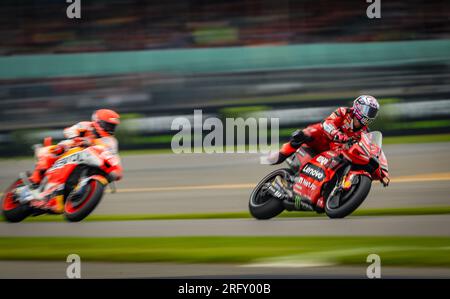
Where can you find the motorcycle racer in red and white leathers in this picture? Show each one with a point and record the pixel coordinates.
(84, 134)
(344, 123)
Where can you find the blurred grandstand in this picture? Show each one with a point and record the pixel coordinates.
(416, 92)
(40, 26)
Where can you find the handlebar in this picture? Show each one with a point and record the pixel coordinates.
(349, 141)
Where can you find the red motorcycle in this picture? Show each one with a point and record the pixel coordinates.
(334, 182)
(73, 185)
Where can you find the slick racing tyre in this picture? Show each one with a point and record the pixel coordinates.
(261, 204)
(76, 208)
(351, 200)
(12, 210)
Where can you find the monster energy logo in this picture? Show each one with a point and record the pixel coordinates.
(297, 202)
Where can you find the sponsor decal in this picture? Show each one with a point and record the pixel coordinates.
(275, 192)
(72, 159)
(307, 184)
(322, 160)
(301, 152)
(297, 201)
(329, 128)
(314, 172)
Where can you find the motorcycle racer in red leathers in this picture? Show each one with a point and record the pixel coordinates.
(344, 123)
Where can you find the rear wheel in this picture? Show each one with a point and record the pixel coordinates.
(350, 200)
(78, 207)
(261, 204)
(12, 210)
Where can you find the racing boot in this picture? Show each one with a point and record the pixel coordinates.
(28, 191)
(45, 161)
(24, 194)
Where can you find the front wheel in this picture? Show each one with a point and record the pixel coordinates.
(351, 201)
(78, 207)
(12, 210)
(261, 204)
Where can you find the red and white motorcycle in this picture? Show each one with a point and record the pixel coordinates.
(73, 185)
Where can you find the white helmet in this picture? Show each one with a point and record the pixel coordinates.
(365, 109)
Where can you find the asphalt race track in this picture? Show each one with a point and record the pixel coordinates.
(437, 225)
(192, 183)
(57, 270)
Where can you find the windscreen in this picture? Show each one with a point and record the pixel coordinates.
(376, 138)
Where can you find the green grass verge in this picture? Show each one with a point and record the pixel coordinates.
(398, 251)
(438, 210)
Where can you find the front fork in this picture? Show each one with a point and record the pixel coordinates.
(84, 180)
(341, 184)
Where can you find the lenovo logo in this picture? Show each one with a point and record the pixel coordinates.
(314, 172)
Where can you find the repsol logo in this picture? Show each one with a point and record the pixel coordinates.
(75, 158)
(314, 172)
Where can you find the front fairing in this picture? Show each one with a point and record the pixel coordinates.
(107, 150)
(368, 153)
(375, 143)
(102, 155)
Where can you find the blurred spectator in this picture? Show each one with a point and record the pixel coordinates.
(41, 26)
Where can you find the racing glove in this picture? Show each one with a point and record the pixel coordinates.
(81, 141)
(58, 149)
(340, 137)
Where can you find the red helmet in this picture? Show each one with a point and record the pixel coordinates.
(105, 122)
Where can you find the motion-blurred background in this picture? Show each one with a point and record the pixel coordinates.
(153, 61)
(187, 215)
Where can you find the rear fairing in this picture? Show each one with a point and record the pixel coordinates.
(302, 156)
